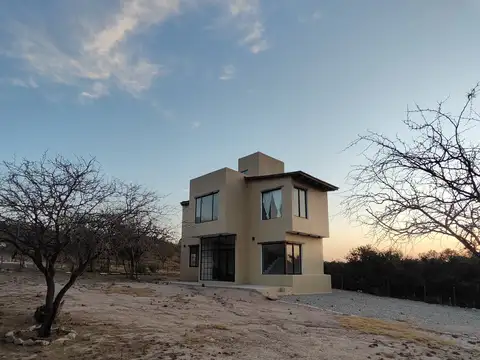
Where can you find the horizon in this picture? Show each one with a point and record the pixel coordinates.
(148, 85)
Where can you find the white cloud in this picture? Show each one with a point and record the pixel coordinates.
(247, 15)
(103, 54)
(196, 124)
(30, 83)
(228, 72)
(98, 90)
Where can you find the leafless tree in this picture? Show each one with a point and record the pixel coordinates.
(143, 224)
(52, 207)
(408, 189)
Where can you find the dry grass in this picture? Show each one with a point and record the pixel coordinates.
(394, 330)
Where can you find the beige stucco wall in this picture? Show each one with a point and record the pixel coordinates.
(316, 222)
(260, 164)
(239, 213)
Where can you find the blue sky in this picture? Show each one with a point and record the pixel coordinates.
(161, 91)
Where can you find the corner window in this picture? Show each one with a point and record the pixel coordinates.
(193, 256)
(271, 204)
(281, 258)
(206, 208)
(299, 202)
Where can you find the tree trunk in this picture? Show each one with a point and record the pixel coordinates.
(49, 304)
(52, 312)
(132, 268)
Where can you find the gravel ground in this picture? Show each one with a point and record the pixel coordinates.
(435, 317)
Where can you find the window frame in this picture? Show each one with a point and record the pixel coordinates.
(285, 244)
(196, 263)
(298, 205)
(262, 193)
(214, 195)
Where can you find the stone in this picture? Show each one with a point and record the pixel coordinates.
(72, 335)
(29, 342)
(10, 334)
(18, 341)
(9, 339)
(42, 342)
(34, 327)
(271, 297)
(61, 340)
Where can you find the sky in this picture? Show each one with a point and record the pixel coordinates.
(162, 91)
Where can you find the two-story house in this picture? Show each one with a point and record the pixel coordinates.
(258, 225)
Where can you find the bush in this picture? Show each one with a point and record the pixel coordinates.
(153, 268)
(142, 269)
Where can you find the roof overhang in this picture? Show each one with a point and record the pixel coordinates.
(299, 176)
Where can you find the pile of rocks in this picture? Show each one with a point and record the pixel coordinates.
(15, 337)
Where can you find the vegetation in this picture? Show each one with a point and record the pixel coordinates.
(448, 277)
(60, 211)
(424, 184)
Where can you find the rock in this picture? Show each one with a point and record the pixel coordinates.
(29, 342)
(9, 339)
(42, 342)
(18, 341)
(34, 327)
(10, 334)
(72, 335)
(271, 297)
(61, 340)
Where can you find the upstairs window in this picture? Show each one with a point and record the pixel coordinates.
(300, 202)
(206, 208)
(271, 204)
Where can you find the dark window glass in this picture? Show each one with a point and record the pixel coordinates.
(281, 258)
(299, 202)
(273, 256)
(271, 204)
(193, 257)
(206, 208)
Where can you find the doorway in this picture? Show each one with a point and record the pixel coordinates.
(217, 258)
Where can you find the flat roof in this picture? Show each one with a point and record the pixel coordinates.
(299, 176)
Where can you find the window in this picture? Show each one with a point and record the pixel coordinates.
(281, 258)
(206, 208)
(300, 202)
(271, 204)
(245, 172)
(193, 259)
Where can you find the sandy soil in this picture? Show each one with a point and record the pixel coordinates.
(128, 320)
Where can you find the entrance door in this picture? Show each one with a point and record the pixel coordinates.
(217, 259)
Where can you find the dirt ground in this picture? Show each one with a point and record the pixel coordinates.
(116, 319)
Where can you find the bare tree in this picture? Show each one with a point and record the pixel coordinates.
(52, 207)
(142, 225)
(427, 185)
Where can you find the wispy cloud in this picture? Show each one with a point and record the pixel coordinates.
(247, 15)
(29, 83)
(228, 72)
(102, 51)
(98, 90)
(196, 124)
(103, 56)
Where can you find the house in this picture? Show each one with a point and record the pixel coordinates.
(258, 225)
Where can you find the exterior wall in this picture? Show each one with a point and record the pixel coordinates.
(215, 181)
(259, 230)
(239, 212)
(260, 164)
(188, 273)
(237, 217)
(316, 222)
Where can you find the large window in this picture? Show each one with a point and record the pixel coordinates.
(206, 208)
(300, 202)
(281, 258)
(193, 256)
(271, 204)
